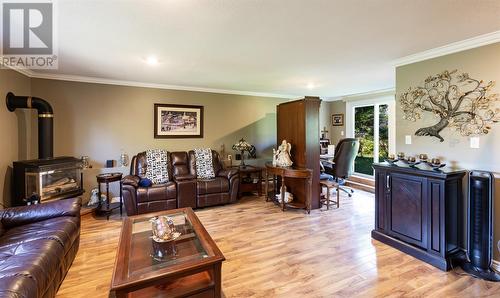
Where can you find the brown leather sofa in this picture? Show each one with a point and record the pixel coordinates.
(38, 244)
(183, 190)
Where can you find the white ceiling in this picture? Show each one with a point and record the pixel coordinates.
(269, 46)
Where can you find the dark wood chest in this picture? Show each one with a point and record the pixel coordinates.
(420, 212)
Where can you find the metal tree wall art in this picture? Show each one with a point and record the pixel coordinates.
(456, 100)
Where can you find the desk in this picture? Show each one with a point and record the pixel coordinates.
(289, 172)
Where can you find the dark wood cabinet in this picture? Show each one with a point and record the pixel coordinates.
(419, 212)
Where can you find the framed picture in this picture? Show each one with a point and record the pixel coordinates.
(178, 121)
(338, 120)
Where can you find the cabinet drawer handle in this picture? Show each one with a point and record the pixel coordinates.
(388, 182)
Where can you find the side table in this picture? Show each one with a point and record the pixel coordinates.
(109, 207)
(250, 179)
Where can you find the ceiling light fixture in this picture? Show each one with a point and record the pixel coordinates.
(152, 60)
(310, 86)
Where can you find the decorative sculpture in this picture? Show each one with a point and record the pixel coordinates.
(282, 155)
(456, 100)
(288, 196)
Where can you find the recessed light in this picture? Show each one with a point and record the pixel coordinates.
(152, 60)
(310, 86)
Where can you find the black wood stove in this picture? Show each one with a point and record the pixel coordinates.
(48, 177)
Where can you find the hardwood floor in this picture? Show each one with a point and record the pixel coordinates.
(287, 254)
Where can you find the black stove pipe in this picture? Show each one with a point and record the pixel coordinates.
(45, 120)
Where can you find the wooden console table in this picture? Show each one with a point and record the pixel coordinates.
(289, 172)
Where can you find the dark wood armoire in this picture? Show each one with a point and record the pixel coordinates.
(298, 123)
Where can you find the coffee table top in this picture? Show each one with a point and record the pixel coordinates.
(137, 260)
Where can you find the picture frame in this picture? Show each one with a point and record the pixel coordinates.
(338, 120)
(172, 121)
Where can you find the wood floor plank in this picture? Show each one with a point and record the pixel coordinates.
(271, 253)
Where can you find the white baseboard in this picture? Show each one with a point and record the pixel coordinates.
(495, 265)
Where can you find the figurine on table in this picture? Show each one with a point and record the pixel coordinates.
(282, 155)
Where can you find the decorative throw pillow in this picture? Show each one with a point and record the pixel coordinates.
(204, 165)
(145, 182)
(157, 166)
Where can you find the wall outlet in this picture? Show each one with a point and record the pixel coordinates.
(474, 142)
(342, 133)
(408, 140)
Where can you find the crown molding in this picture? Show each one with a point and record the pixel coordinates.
(27, 72)
(363, 95)
(95, 80)
(474, 42)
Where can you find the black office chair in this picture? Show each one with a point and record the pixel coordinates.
(341, 168)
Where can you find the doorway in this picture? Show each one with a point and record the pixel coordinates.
(372, 123)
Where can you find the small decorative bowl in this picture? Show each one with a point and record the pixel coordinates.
(423, 157)
(437, 167)
(436, 164)
(401, 155)
(435, 161)
(412, 161)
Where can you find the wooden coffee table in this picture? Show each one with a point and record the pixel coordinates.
(187, 266)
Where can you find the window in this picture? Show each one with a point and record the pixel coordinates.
(371, 122)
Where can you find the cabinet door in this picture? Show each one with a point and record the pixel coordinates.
(408, 208)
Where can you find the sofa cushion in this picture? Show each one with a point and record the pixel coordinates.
(40, 260)
(145, 182)
(64, 230)
(216, 185)
(156, 192)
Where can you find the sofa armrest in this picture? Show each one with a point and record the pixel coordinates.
(129, 193)
(228, 173)
(132, 180)
(184, 177)
(18, 216)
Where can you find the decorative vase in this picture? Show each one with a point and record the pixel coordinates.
(124, 160)
(163, 229)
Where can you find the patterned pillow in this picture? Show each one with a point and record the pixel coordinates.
(204, 165)
(157, 165)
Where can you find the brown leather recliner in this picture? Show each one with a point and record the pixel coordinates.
(222, 189)
(139, 200)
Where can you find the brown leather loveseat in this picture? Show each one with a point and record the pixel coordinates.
(184, 188)
(38, 244)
